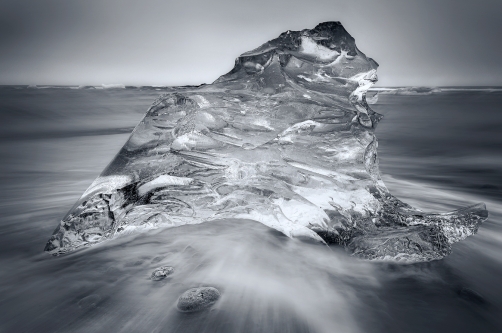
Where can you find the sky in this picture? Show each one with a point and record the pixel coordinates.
(165, 42)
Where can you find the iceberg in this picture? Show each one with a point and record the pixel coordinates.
(286, 138)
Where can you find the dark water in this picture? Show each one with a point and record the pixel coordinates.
(437, 152)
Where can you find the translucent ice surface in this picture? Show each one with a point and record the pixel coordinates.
(286, 138)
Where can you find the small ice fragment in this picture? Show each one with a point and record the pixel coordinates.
(161, 273)
(196, 299)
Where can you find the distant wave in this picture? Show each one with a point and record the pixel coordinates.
(19, 136)
(416, 90)
(44, 86)
(484, 89)
(99, 87)
(113, 86)
(409, 91)
(431, 90)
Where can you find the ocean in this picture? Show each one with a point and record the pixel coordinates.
(438, 150)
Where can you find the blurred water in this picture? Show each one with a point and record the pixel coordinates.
(450, 138)
(437, 152)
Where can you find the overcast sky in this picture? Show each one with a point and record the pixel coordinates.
(165, 42)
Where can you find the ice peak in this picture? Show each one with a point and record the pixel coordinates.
(323, 59)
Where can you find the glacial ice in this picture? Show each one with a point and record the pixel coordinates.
(161, 273)
(286, 138)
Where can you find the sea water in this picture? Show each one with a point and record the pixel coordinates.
(437, 151)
